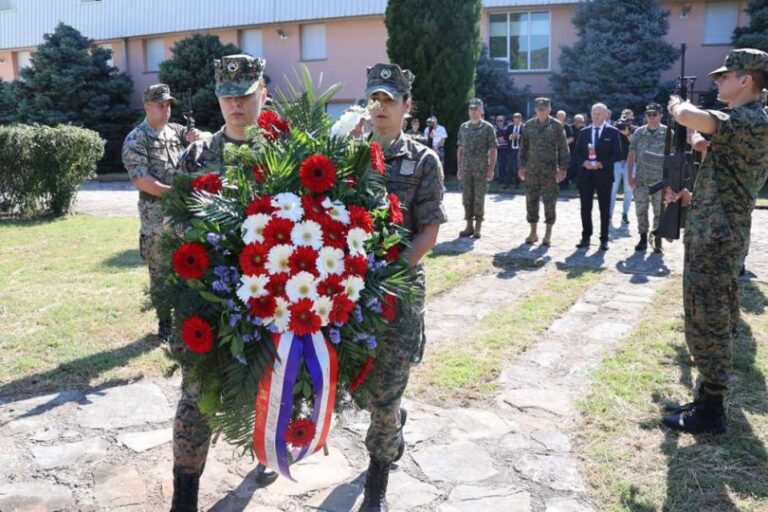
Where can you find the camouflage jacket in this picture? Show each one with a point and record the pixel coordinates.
(476, 139)
(543, 147)
(648, 147)
(208, 155)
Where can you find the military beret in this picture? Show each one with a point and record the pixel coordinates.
(389, 79)
(743, 58)
(157, 93)
(542, 102)
(237, 75)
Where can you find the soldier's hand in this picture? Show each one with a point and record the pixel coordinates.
(521, 174)
(560, 176)
(458, 175)
(194, 135)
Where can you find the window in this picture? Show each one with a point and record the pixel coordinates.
(313, 42)
(719, 21)
(108, 46)
(155, 54)
(24, 60)
(336, 109)
(521, 39)
(251, 42)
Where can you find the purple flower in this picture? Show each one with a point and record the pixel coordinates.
(247, 338)
(335, 336)
(272, 328)
(374, 305)
(220, 286)
(234, 319)
(214, 239)
(358, 312)
(360, 337)
(255, 320)
(371, 341)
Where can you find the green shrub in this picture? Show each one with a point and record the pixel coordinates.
(41, 167)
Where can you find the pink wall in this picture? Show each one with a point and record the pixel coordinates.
(6, 66)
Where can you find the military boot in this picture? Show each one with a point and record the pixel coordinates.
(643, 243)
(547, 235)
(657, 245)
(467, 230)
(185, 489)
(533, 237)
(401, 449)
(375, 497)
(705, 415)
(478, 226)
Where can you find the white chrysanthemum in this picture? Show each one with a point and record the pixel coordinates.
(288, 206)
(282, 315)
(253, 227)
(301, 286)
(356, 240)
(330, 260)
(322, 308)
(353, 285)
(252, 286)
(307, 233)
(348, 121)
(337, 211)
(277, 258)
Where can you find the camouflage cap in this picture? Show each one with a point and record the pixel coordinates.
(158, 92)
(542, 102)
(237, 75)
(389, 79)
(653, 107)
(743, 58)
(475, 103)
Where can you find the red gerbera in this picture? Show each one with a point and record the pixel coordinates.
(303, 319)
(303, 259)
(253, 258)
(197, 334)
(342, 307)
(393, 253)
(395, 210)
(360, 218)
(260, 204)
(388, 307)
(259, 172)
(356, 265)
(317, 173)
(364, 371)
(276, 285)
(377, 158)
(314, 209)
(330, 286)
(300, 433)
(210, 183)
(334, 233)
(278, 231)
(272, 125)
(190, 260)
(263, 306)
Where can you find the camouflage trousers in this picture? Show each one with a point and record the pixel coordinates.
(543, 187)
(149, 248)
(474, 187)
(642, 198)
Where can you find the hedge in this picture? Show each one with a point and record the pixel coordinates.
(41, 167)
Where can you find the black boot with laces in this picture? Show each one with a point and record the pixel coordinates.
(375, 498)
(705, 415)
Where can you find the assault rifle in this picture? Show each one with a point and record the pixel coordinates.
(188, 112)
(679, 164)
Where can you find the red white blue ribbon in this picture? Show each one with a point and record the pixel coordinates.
(274, 400)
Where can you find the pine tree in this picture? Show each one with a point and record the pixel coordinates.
(439, 41)
(70, 81)
(618, 58)
(191, 67)
(756, 34)
(7, 103)
(496, 87)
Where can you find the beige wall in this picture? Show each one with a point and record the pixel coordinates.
(7, 66)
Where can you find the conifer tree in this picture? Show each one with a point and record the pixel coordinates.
(755, 35)
(496, 87)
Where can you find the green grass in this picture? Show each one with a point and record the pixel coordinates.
(446, 271)
(633, 464)
(467, 367)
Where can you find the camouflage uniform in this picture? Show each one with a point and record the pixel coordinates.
(648, 147)
(416, 177)
(476, 139)
(543, 151)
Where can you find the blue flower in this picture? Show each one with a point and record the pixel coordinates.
(234, 319)
(335, 336)
(358, 312)
(220, 286)
(374, 305)
(371, 341)
(214, 239)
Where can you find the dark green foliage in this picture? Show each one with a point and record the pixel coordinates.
(7, 103)
(439, 41)
(191, 67)
(42, 167)
(496, 87)
(755, 35)
(618, 58)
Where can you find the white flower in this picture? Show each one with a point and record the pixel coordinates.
(308, 233)
(301, 286)
(330, 260)
(356, 240)
(322, 308)
(253, 227)
(277, 258)
(282, 315)
(349, 120)
(288, 206)
(337, 211)
(353, 285)
(252, 286)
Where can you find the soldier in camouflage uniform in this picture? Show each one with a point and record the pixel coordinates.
(542, 164)
(645, 165)
(717, 228)
(476, 157)
(416, 177)
(151, 157)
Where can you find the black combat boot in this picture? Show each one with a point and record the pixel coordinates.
(705, 415)
(164, 328)
(643, 243)
(401, 450)
(375, 498)
(265, 476)
(657, 245)
(185, 489)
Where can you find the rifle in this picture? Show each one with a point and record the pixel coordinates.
(187, 113)
(679, 169)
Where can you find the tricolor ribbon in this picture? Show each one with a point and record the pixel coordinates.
(274, 400)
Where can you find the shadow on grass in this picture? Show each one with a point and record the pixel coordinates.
(8, 221)
(123, 259)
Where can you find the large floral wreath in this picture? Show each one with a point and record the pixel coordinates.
(286, 269)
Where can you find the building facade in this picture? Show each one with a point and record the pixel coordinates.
(337, 38)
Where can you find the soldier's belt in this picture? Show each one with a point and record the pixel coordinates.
(144, 196)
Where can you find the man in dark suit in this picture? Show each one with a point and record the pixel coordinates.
(597, 148)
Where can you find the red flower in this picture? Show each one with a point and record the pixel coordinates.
(300, 433)
(342, 307)
(364, 371)
(263, 306)
(395, 210)
(393, 253)
(314, 209)
(357, 265)
(388, 307)
(190, 260)
(276, 285)
(197, 334)
(360, 218)
(303, 258)
(317, 173)
(377, 158)
(330, 286)
(253, 258)
(334, 233)
(303, 319)
(210, 183)
(259, 172)
(272, 125)
(278, 231)
(260, 204)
